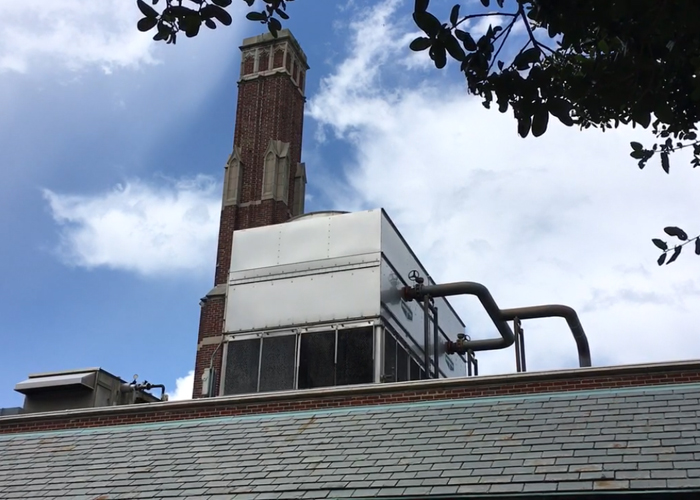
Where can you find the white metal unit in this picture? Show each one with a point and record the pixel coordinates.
(327, 269)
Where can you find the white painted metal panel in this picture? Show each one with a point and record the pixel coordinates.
(303, 268)
(303, 300)
(355, 234)
(304, 240)
(255, 248)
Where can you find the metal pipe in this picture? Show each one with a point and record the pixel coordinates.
(500, 317)
(484, 296)
(555, 310)
(523, 359)
(516, 331)
(426, 335)
(436, 345)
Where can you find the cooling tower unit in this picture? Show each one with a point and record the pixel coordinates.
(317, 302)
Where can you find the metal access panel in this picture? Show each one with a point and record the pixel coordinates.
(406, 318)
(329, 269)
(312, 270)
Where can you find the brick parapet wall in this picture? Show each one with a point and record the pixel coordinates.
(369, 395)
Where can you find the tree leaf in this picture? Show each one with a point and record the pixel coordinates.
(539, 121)
(637, 155)
(452, 46)
(220, 14)
(274, 25)
(182, 12)
(524, 123)
(676, 253)
(146, 9)
(222, 3)
(256, 16)
(161, 35)
(192, 27)
(146, 23)
(697, 246)
(438, 53)
(561, 109)
(677, 232)
(636, 146)
(526, 58)
(662, 259)
(428, 23)
(420, 43)
(210, 24)
(421, 5)
(467, 40)
(454, 14)
(664, 113)
(665, 163)
(660, 244)
(485, 3)
(642, 117)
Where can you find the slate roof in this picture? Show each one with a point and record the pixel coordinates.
(629, 439)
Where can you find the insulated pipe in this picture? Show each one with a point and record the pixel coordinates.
(555, 310)
(484, 296)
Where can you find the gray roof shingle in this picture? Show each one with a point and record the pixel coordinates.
(638, 439)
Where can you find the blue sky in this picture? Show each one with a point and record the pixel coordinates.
(113, 148)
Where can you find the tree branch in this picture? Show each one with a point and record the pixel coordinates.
(473, 16)
(505, 32)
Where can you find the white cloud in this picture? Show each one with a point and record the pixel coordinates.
(183, 388)
(71, 33)
(565, 218)
(140, 227)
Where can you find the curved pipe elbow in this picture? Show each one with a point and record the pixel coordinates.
(561, 311)
(482, 293)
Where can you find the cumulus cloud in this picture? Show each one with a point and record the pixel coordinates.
(183, 387)
(71, 33)
(146, 228)
(565, 218)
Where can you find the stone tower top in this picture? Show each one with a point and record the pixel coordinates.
(264, 55)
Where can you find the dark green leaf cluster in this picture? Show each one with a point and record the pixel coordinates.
(590, 64)
(266, 16)
(176, 17)
(675, 232)
(189, 18)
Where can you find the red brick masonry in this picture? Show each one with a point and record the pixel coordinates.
(366, 395)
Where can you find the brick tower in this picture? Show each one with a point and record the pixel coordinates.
(264, 179)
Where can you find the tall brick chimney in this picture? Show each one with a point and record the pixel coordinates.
(264, 179)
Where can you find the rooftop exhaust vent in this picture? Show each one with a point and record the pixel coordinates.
(86, 388)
